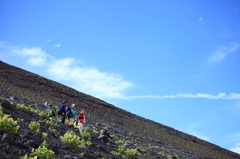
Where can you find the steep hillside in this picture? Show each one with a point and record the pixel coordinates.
(29, 87)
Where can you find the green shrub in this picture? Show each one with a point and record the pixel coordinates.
(52, 130)
(41, 121)
(143, 150)
(115, 153)
(71, 139)
(88, 143)
(34, 126)
(1, 112)
(19, 120)
(132, 153)
(85, 135)
(44, 135)
(43, 115)
(43, 153)
(26, 157)
(81, 154)
(95, 131)
(121, 149)
(52, 123)
(33, 110)
(8, 124)
(22, 107)
(44, 143)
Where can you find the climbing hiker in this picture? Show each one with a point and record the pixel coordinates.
(71, 115)
(104, 135)
(62, 111)
(81, 120)
(51, 112)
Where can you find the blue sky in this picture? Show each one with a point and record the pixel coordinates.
(174, 62)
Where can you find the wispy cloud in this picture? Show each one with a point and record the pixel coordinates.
(193, 132)
(35, 55)
(223, 51)
(190, 95)
(234, 138)
(236, 148)
(88, 79)
(74, 73)
(57, 45)
(200, 19)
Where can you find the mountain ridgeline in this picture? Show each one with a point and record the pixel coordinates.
(31, 88)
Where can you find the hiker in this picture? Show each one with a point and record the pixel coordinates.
(104, 135)
(51, 112)
(71, 115)
(62, 111)
(81, 120)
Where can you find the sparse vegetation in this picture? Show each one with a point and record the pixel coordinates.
(34, 126)
(85, 135)
(43, 153)
(8, 124)
(71, 139)
(132, 153)
(22, 107)
(44, 135)
(52, 130)
(43, 115)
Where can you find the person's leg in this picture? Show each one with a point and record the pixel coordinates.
(70, 120)
(80, 127)
(63, 119)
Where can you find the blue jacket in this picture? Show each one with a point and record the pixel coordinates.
(63, 108)
(72, 113)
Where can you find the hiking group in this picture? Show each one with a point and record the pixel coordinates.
(75, 120)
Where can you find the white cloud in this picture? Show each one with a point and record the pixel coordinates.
(73, 73)
(234, 138)
(223, 51)
(35, 55)
(190, 95)
(88, 79)
(57, 45)
(49, 40)
(236, 148)
(200, 19)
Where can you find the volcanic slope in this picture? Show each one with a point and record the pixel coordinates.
(29, 87)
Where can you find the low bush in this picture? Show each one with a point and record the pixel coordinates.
(22, 107)
(34, 126)
(115, 153)
(43, 115)
(19, 120)
(132, 153)
(26, 157)
(8, 124)
(44, 135)
(85, 135)
(43, 153)
(71, 139)
(52, 130)
(121, 149)
(52, 123)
